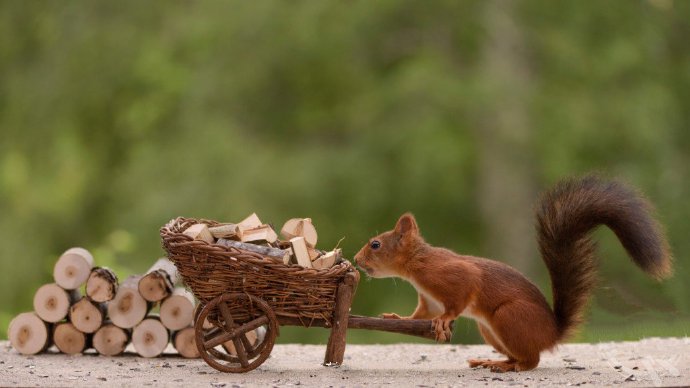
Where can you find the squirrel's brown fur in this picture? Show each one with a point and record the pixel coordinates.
(512, 314)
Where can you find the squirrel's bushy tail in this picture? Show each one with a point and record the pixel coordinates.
(567, 214)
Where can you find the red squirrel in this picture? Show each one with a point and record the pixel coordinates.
(512, 314)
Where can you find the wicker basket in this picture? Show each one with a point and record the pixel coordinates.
(210, 270)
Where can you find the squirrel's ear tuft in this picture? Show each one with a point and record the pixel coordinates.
(407, 225)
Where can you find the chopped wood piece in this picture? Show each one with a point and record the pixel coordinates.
(111, 340)
(199, 232)
(252, 221)
(128, 307)
(150, 337)
(69, 340)
(51, 302)
(177, 310)
(224, 231)
(184, 342)
(314, 253)
(300, 227)
(159, 281)
(28, 334)
(73, 268)
(273, 253)
(291, 228)
(299, 247)
(261, 233)
(101, 285)
(87, 316)
(328, 259)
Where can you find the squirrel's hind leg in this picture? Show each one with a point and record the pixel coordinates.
(494, 365)
(491, 340)
(517, 336)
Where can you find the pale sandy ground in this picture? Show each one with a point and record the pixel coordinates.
(650, 362)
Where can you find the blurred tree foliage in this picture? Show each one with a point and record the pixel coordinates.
(118, 116)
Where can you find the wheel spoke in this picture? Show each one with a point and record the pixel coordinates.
(219, 339)
(241, 351)
(254, 324)
(247, 345)
(212, 332)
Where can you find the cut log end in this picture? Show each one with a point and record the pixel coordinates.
(177, 311)
(150, 338)
(155, 286)
(68, 339)
(300, 227)
(101, 286)
(73, 268)
(86, 315)
(28, 334)
(52, 302)
(158, 282)
(185, 343)
(110, 340)
(128, 308)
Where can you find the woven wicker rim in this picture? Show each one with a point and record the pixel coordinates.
(169, 233)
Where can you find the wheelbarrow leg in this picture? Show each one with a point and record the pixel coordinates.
(343, 300)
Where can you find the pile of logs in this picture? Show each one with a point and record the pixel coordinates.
(110, 315)
(297, 246)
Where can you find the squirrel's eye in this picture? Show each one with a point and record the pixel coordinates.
(375, 244)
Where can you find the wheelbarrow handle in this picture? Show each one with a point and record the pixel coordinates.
(416, 327)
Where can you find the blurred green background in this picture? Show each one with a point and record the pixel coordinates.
(117, 116)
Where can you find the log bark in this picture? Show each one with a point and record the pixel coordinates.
(273, 253)
(111, 340)
(69, 340)
(128, 308)
(29, 334)
(184, 342)
(177, 310)
(101, 286)
(159, 281)
(52, 302)
(150, 337)
(87, 316)
(73, 268)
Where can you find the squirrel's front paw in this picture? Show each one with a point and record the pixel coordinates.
(442, 329)
(391, 316)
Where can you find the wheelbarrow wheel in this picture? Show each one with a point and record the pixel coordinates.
(233, 316)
